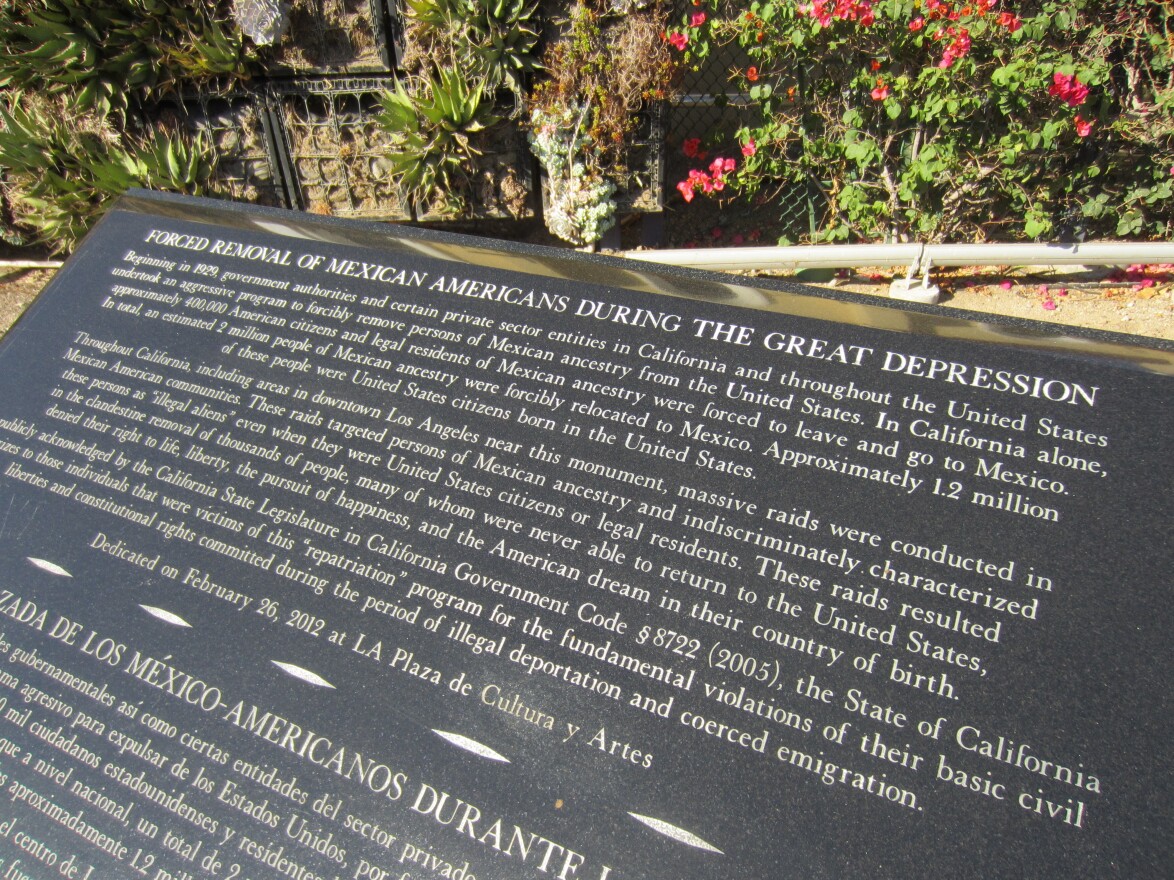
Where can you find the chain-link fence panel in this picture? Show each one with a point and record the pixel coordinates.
(710, 104)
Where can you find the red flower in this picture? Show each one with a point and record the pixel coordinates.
(678, 41)
(752, 74)
(917, 24)
(881, 91)
(691, 147)
(1068, 89)
(874, 64)
(1010, 21)
(1083, 126)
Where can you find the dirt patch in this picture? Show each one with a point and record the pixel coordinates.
(18, 288)
(1137, 302)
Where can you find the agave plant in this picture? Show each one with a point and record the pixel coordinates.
(101, 52)
(62, 168)
(495, 39)
(434, 131)
(504, 39)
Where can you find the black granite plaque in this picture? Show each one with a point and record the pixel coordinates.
(334, 551)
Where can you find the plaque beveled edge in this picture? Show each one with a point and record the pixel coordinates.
(764, 294)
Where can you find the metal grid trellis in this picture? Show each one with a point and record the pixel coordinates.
(333, 147)
(238, 129)
(337, 37)
(644, 189)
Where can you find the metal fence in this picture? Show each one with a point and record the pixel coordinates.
(708, 104)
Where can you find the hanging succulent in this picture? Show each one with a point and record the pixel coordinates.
(580, 207)
(603, 68)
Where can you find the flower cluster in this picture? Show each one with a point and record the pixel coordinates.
(827, 11)
(1068, 89)
(680, 40)
(1072, 92)
(708, 182)
(1010, 21)
(958, 46)
(887, 127)
(937, 9)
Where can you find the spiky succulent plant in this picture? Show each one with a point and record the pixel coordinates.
(434, 131)
(495, 39)
(100, 53)
(62, 168)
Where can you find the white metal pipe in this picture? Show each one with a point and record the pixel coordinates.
(30, 264)
(916, 256)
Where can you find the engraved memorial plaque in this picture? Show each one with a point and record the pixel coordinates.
(345, 551)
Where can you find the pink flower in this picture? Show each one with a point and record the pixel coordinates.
(749, 148)
(959, 47)
(738, 239)
(881, 91)
(1068, 89)
(691, 147)
(1005, 284)
(716, 232)
(720, 166)
(827, 11)
(697, 19)
(1083, 126)
(678, 41)
(917, 24)
(1048, 304)
(1063, 291)
(686, 190)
